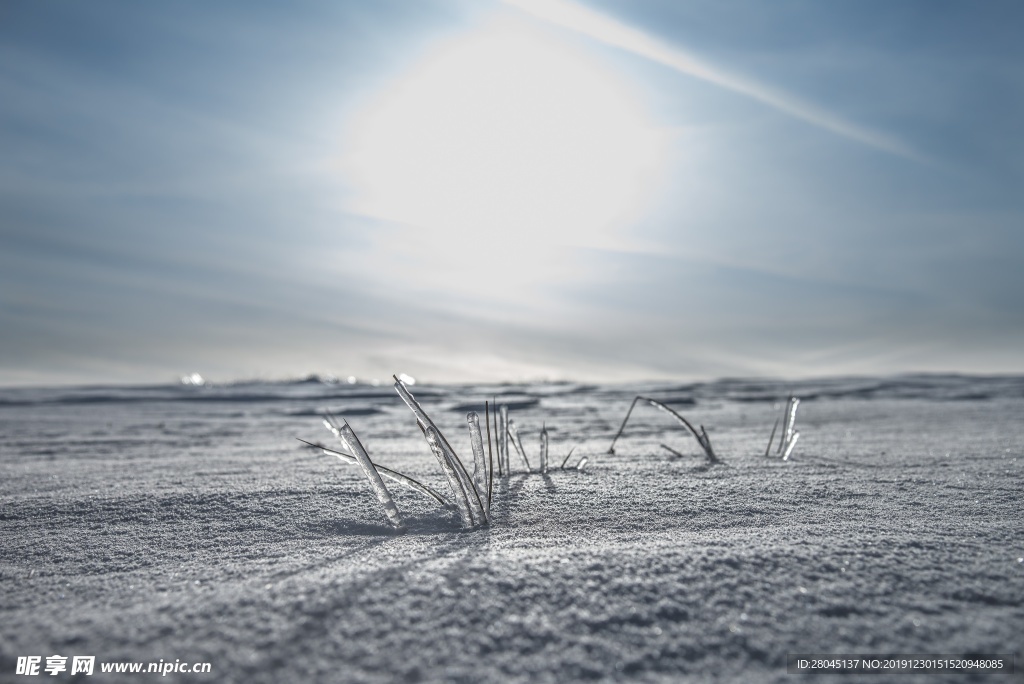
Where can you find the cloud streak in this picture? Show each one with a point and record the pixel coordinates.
(577, 18)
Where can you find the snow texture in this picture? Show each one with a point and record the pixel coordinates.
(139, 524)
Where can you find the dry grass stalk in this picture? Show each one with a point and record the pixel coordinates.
(669, 449)
(513, 433)
(768, 449)
(566, 460)
(701, 437)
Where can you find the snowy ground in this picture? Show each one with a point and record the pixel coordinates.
(188, 524)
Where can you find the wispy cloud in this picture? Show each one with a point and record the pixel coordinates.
(577, 18)
(172, 197)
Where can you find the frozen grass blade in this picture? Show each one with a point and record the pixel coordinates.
(502, 437)
(705, 441)
(544, 449)
(790, 445)
(352, 443)
(448, 468)
(787, 440)
(393, 475)
(788, 423)
(497, 438)
(453, 478)
(473, 500)
(566, 460)
(768, 449)
(701, 437)
(476, 440)
(450, 463)
(513, 432)
(490, 457)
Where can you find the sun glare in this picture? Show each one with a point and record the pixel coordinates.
(508, 138)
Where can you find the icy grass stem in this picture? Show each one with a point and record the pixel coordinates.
(393, 475)
(513, 432)
(348, 438)
(544, 449)
(502, 436)
(789, 436)
(490, 456)
(479, 463)
(701, 437)
(788, 423)
(790, 445)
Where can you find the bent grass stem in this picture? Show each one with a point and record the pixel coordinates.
(701, 437)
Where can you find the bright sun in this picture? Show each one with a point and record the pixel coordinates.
(507, 137)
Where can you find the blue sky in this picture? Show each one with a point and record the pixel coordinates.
(507, 190)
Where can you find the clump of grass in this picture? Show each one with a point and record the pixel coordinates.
(471, 494)
(789, 436)
(701, 437)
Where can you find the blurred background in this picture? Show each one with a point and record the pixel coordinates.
(530, 189)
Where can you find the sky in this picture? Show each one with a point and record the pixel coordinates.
(506, 190)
